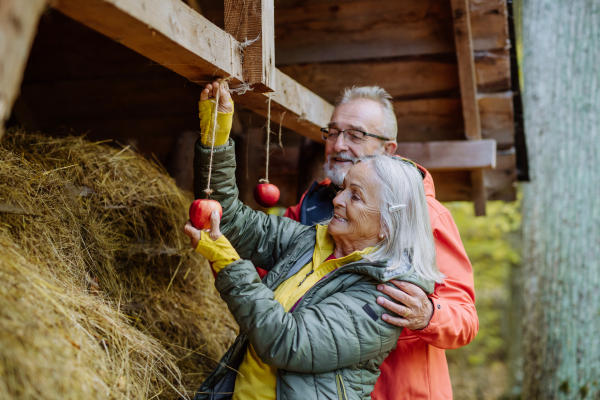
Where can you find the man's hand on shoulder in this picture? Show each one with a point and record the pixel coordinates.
(415, 308)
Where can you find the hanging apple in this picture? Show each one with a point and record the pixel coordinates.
(200, 212)
(266, 194)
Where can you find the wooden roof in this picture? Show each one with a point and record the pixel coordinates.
(79, 78)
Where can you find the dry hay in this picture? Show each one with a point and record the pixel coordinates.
(100, 295)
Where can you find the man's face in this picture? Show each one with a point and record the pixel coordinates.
(363, 115)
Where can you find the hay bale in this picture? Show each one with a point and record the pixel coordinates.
(100, 295)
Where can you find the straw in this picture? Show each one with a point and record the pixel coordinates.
(87, 254)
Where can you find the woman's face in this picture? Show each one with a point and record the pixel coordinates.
(356, 218)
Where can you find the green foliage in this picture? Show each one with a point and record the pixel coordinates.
(479, 369)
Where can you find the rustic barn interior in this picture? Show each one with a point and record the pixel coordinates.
(453, 80)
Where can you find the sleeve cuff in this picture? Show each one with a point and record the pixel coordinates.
(439, 318)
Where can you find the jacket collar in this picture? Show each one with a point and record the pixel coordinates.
(355, 262)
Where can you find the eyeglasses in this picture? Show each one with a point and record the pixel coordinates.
(354, 135)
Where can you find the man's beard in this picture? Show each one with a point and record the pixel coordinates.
(337, 172)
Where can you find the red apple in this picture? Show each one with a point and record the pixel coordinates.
(200, 212)
(266, 194)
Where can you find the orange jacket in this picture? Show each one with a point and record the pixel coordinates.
(417, 368)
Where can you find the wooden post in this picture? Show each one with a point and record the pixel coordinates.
(468, 91)
(252, 23)
(18, 25)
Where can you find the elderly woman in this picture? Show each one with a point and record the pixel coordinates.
(312, 327)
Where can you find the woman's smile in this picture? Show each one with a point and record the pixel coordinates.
(339, 218)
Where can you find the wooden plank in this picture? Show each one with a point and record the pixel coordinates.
(252, 23)
(404, 77)
(173, 35)
(18, 25)
(451, 155)
(497, 118)
(324, 31)
(466, 68)
(500, 183)
(426, 120)
(306, 113)
(468, 91)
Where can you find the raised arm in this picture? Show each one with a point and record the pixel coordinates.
(256, 236)
(342, 330)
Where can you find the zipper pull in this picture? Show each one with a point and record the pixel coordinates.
(311, 271)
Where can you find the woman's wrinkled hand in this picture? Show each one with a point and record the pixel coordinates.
(212, 244)
(195, 234)
(210, 92)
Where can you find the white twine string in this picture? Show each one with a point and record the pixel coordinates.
(208, 190)
(280, 125)
(266, 180)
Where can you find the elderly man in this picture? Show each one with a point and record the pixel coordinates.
(364, 123)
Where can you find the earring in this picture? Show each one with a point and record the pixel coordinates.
(381, 236)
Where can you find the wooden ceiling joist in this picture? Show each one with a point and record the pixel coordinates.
(252, 23)
(468, 92)
(173, 35)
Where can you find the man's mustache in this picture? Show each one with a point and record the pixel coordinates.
(344, 156)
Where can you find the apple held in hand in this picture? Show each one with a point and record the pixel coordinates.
(266, 194)
(200, 212)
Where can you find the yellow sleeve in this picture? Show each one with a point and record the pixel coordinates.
(224, 121)
(219, 252)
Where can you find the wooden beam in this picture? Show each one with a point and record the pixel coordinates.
(252, 23)
(404, 77)
(325, 31)
(468, 91)
(173, 35)
(18, 25)
(458, 155)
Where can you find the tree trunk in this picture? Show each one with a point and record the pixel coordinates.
(561, 205)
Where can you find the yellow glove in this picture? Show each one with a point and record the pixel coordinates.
(224, 121)
(219, 252)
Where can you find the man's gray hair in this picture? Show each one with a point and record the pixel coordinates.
(408, 238)
(379, 95)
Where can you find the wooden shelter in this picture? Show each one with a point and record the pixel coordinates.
(131, 70)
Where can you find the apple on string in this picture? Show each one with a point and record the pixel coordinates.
(266, 194)
(201, 210)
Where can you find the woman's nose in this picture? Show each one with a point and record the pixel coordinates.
(339, 200)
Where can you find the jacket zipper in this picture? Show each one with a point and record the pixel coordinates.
(339, 380)
(296, 257)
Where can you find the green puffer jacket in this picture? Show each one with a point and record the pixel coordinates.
(332, 344)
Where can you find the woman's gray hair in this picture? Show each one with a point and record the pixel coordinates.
(404, 218)
(379, 95)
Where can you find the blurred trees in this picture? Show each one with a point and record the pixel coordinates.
(479, 370)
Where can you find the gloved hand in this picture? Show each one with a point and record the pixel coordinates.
(213, 246)
(206, 106)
